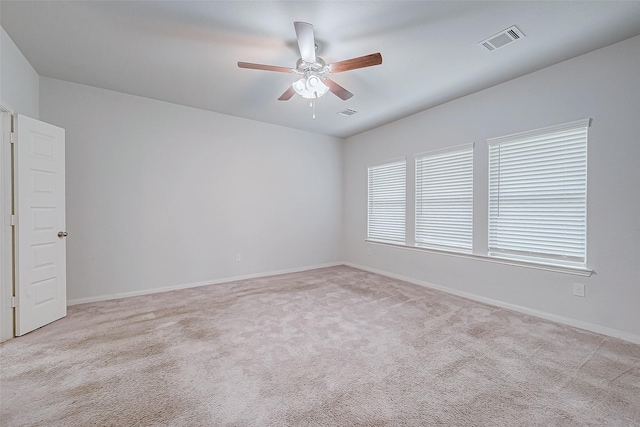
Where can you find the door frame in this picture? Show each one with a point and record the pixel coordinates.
(6, 230)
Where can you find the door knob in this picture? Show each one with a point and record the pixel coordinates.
(62, 234)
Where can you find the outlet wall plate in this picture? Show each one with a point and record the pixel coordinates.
(578, 289)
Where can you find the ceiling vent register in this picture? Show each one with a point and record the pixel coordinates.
(503, 38)
(348, 112)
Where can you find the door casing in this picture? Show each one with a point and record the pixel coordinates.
(6, 230)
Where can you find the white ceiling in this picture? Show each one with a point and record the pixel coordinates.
(186, 52)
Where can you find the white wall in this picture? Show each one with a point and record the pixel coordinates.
(161, 195)
(19, 82)
(602, 85)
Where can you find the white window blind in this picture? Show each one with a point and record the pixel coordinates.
(387, 202)
(538, 195)
(444, 200)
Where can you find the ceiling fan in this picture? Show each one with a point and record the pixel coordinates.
(314, 81)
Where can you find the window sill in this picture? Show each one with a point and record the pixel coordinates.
(546, 267)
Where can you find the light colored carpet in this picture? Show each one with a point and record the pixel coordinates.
(329, 347)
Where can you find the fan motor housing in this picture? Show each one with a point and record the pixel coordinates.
(307, 68)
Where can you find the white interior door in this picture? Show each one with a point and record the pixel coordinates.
(40, 253)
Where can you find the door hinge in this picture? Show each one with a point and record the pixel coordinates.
(13, 302)
(12, 130)
(12, 220)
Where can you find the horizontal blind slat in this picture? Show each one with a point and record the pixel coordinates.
(537, 195)
(444, 200)
(387, 202)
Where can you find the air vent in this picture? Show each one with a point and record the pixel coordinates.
(348, 112)
(503, 38)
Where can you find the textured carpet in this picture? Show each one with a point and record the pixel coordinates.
(329, 347)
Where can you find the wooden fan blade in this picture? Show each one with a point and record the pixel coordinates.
(253, 66)
(287, 94)
(306, 41)
(338, 90)
(354, 63)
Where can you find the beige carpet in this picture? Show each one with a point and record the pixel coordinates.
(329, 347)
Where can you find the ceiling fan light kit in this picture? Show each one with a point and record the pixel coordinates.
(314, 83)
(310, 87)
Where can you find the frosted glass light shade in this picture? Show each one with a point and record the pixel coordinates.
(310, 87)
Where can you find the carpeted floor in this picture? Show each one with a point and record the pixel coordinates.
(329, 347)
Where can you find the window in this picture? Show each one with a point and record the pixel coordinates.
(387, 200)
(537, 195)
(444, 200)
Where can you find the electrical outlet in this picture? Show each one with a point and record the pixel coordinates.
(578, 289)
(238, 257)
(369, 251)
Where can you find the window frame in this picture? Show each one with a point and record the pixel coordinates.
(444, 199)
(553, 186)
(386, 217)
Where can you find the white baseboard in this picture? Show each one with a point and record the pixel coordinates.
(107, 297)
(603, 330)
